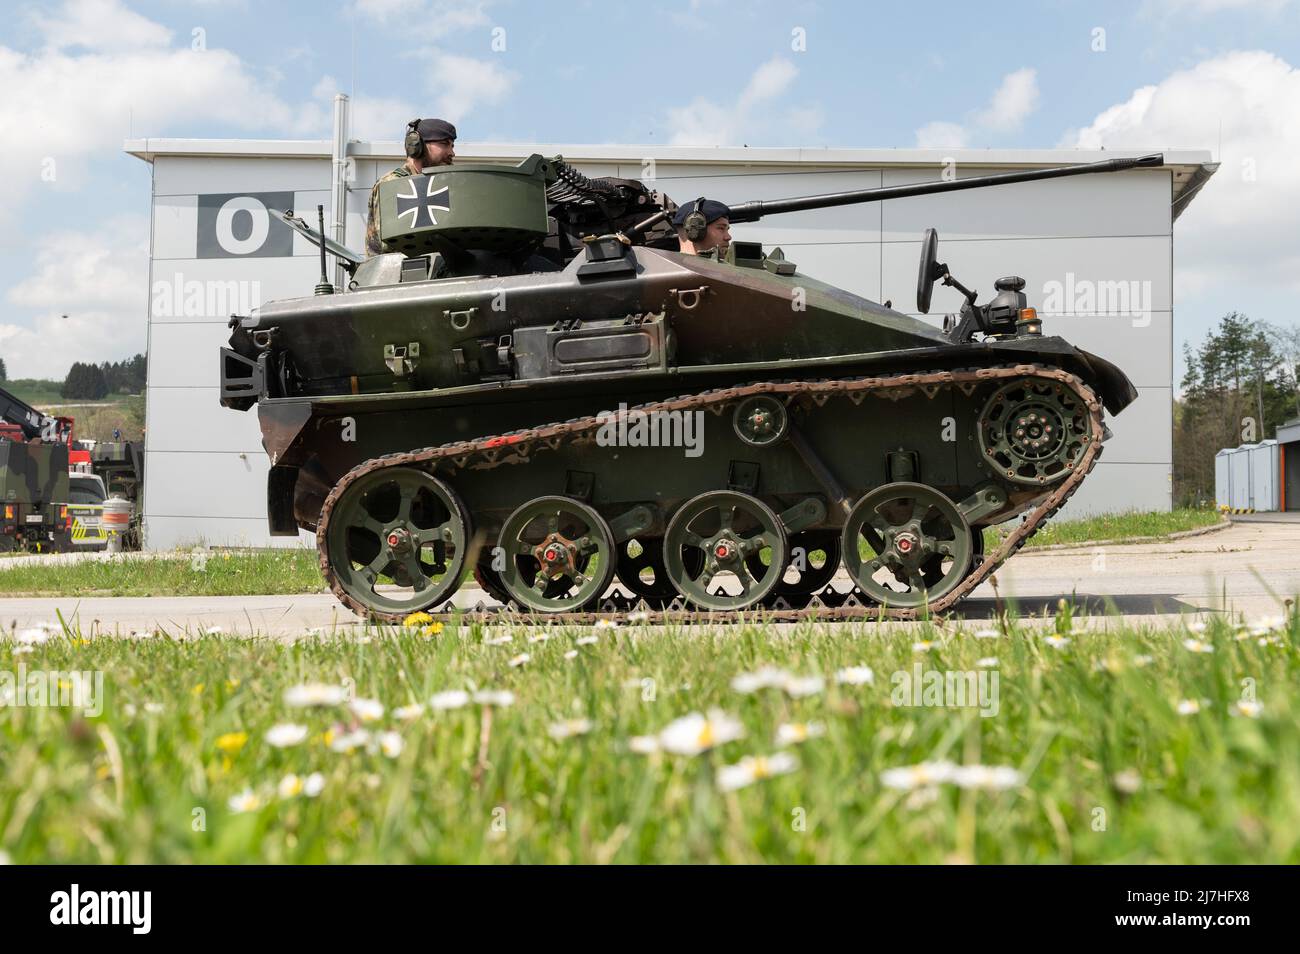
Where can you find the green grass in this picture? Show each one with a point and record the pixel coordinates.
(1111, 772)
(41, 393)
(217, 573)
(1118, 526)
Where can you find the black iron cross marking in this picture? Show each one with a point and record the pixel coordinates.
(417, 206)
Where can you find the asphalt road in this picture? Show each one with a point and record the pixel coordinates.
(1248, 568)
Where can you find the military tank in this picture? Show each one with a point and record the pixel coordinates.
(533, 385)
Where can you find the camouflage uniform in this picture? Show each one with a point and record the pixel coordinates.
(373, 245)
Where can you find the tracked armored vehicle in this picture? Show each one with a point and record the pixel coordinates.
(535, 386)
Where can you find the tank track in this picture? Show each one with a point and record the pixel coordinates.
(516, 447)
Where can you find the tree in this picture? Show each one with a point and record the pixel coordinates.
(85, 381)
(1236, 390)
(4, 375)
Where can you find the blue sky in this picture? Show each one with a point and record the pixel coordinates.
(83, 75)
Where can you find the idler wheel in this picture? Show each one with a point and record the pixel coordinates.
(641, 569)
(559, 553)
(1033, 432)
(906, 544)
(820, 550)
(396, 540)
(711, 543)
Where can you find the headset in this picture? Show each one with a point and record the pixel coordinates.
(695, 224)
(414, 144)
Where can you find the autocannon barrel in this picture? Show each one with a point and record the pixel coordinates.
(755, 210)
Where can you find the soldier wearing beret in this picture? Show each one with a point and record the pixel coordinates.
(703, 226)
(429, 142)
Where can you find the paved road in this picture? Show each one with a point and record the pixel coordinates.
(1255, 564)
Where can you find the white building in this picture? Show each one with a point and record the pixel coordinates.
(1096, 251)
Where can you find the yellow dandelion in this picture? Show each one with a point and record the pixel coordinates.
(197, 690)
(433, 629)
(232, 742)
(418, 619)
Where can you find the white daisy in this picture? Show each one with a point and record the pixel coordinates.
(924, 646)
(1196, 646)
(855, 676)
(499, 640)
(569, 728)
(153, 708)
(1057, 642)
(367, 710)
(213, 630)
(696, 733)
(987, 634)
(920, 775)
(1188, 707)
(571, 654)
(638, 616)
(643, 744)
(586, 641)
(24, 650)
(986, 776)
(407, 713)
(245, 801)
(519, 660)
(1197, 626)
(1269, 623)
(313, 785)
(452, 699)
(348, 741)
(753, 768)
(605, 624)
(390, 743)
(285, 734)
(798, 687)
(539, 638)
(1143, 660)
(1128, 781)
(289, 786)
(314, 694)
(987, 662)
(1244, 707)
(495, 697)
(768, 677)
(792, 733)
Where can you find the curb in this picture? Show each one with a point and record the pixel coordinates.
(1223, 524)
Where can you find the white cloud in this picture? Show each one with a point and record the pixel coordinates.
(1240, 231)
(461, 84)
(103, 291)
(706, 122)
(99, 25)
(1016, 97)
(425, 19)
(941, 135)
(1011, 103)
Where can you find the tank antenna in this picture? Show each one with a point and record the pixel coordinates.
(323, 287)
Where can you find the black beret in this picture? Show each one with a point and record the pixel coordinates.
(432, 130)
(711, 208)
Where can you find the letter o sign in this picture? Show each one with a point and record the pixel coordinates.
(225, 225)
